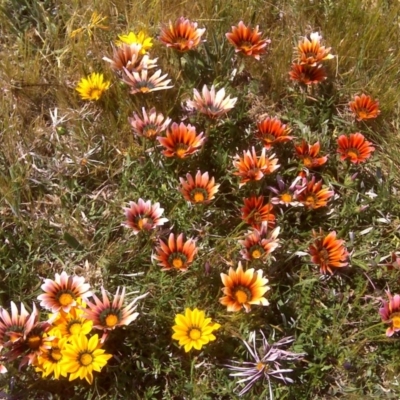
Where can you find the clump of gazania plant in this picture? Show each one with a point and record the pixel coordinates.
(364, 107)
(390, 313)
(264, 364)
(248, 41)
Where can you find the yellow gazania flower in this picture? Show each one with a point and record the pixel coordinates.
(92, 87)
(72, 323)
(140, 38)
(83, 356)
(193, 329)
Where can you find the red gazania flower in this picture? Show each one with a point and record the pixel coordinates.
(176, 254)
(328, 252)
(308, 154)
(200, 190)
(244, 288)
(181, 140)
(259, 243)
(248, 41)
(306, 74)
(272, 131)
(143, 216)
(252, 168)
(364, 107)
(255, 212)
(311, 52)
(64, 292)
(313, 196)
(390, 313)
(149, 126)
(355, 148)
(183, 35)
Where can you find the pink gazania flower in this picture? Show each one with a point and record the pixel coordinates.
(272, 131)
(212, 104)
(64, 292)
(252, 168)
(181, 140)
(200, 190)
(149, 126)
(247, 41)
(258, 244)
(143, 216)
(308, 154)
(314, 196)
(287, 195)
(140, 82)
(107, 316)
(306, 74)
(390, 313)
(183, 35)
(176, 254)
(354, 148)
(255, 212)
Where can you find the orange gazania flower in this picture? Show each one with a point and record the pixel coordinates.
(259, 243)
(149, 126)
(64, 292)
(328, 252)
(243, 288)
(272, 131)
(306, 74)
(311, 52)
(143, 216)
(247, 41)
(313, 196)
(355, 148)
(181, 140)
(309, 154)
(364, 107)
(255, 212)
(390, 313)
(252, 168)
(200, 190)
(141, 82)
(176, 254)
(183, 35)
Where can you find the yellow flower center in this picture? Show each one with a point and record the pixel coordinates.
(34, 342)
(56, 355)
(246, 46)
(256, 253)
(66, 299)
(307, 161)
(150, 132)
(177, 263)
(85, 359)
(180, 150)
(363, 113)
(111, 320)
(144, 89)
(198, 197)
(95, 93)
(261, 366)
(195, 334)
(241, 296)
(353, 153)
(75, 328)
(286, 197)
(141, 222)
(395, 318)
(310, 201)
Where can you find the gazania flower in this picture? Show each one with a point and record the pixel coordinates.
(306, 74)
(140, 39)
(143, 216)
(140, 82)
(259, 243)
(200, 190)
(328, 252)
(248, 41)
(286, 195)
(107, 316)
(129, 56)
(176, 254)
(311, 52)
(271, 131)
(92, 87)
(64, 292)
(243, 288)
(182, 35)
(364, 107)
(255, 212)
(35, 342)
(210, 103)
(354, 148)
(81, 357)
(181, 140)
(390, 313)
(265, 362)
(313, 196)
(252, 168)
(308, 154)
(71, 323)
(149, 126)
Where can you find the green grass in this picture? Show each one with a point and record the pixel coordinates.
(62, 193)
